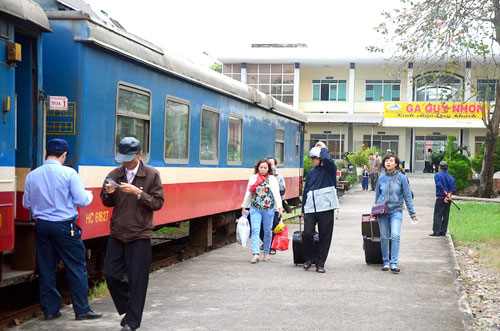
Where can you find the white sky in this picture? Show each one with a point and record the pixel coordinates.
(219, 27)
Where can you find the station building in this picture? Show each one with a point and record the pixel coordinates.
(353, 101)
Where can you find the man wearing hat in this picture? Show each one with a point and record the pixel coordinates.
(52, 193)
(445, 187)
(134, 190)
(318, 205)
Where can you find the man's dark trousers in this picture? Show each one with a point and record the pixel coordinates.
(53, 242)
(324, 220)
(441, 216)
(129, 294)
(373, 180)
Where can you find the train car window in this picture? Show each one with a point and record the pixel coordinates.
(297, 144)
(4, 28)
(234, 139)
(209, 135)
(176, 144)
(133, 116)
(279, 145)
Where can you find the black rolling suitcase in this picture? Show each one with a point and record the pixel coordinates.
(371, 240)
(298, 247)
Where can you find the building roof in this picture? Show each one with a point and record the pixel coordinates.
(28, 11)
(342, 118)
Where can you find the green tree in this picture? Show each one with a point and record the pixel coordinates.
(442, 34)
(217, 67)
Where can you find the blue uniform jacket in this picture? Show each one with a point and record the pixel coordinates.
(320, 192)
(444, 182)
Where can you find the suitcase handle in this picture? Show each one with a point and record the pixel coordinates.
(300, 223)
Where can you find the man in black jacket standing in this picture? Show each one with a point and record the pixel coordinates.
(135, 191)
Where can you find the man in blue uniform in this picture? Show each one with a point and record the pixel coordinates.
(445, 187)
(52, 192)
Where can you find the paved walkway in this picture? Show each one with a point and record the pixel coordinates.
(221, 290)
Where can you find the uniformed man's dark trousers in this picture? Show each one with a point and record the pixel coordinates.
(324, 220)
(128, 292)
(441, 215)
(54, 242)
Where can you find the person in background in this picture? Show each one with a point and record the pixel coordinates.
(277, 218)
(262, 197)
(135, 191)
(318, 206)
(428, 160)
(393, 188)
(365, 177)
(52, 193)
(374, 169)
(445, 187)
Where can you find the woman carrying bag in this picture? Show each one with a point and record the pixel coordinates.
(262, 197)
(393, 189)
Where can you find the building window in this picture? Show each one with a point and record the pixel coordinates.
(329, 90)
(234, 139)
(383, 90)
(334, 143)
(275, 79)
(279, 146)
(176, 145)
(133, 115)
(232, 70)
(486, 89)
(297, 144)
(434, 87)
(383, 142)
(478, 143)
(209, 136)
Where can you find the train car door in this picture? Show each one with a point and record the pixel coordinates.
(29, 152)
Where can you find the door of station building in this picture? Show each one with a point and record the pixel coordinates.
(422, 144)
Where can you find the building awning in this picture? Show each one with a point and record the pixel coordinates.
(345, 119)
(28, 11)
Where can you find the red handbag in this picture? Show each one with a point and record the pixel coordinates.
(281, 240)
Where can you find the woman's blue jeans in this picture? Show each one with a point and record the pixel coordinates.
(390, 227)
(260, 218)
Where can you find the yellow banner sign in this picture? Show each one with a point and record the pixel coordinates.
(448, 110)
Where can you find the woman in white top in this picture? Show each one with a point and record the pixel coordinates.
(262, 197)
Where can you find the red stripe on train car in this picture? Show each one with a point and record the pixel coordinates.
(182, 202)
(6, 221)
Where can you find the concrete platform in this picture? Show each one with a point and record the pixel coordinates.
(221, 290)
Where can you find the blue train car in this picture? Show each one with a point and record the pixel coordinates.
(203, 131)
(22, 23)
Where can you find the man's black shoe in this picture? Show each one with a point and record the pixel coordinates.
(53, 316)
(320, 270)
(90, 315)
(307, 264)
(127, 327)
(395, 270)
(434, 235)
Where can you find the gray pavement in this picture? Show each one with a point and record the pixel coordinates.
(221, 290)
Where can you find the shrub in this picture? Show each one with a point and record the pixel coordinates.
(308, 165)
(478, 158)
(352, 179)
(477, 162)
(360, 157)
(459, 169)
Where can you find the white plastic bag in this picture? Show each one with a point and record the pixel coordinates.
(243, 231)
